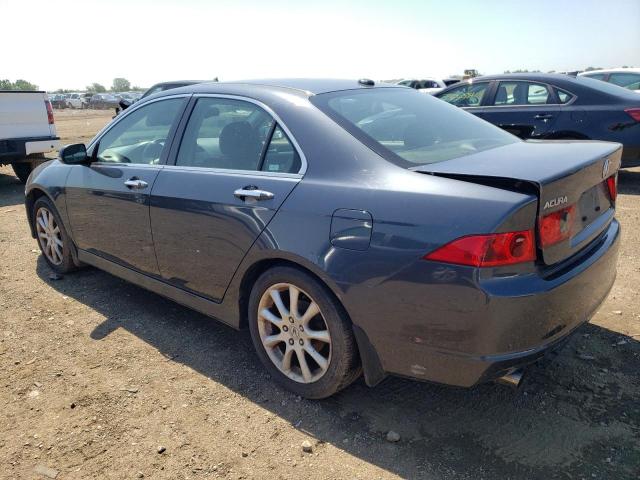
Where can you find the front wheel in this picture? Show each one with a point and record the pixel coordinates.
(301, 333)
(53, 239)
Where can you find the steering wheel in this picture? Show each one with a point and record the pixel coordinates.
(152, 150)
(114, 157)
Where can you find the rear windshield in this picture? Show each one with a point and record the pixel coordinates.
(605, 87)
(410, 128)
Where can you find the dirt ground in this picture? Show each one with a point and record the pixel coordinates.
(97, 374)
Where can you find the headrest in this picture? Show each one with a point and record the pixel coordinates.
(239, 139)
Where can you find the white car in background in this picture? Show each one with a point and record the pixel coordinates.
(624, 77)
(426, 85)
(76, 100)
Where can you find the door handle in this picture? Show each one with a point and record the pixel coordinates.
(135, 183)
(543, 116)
(253, 192)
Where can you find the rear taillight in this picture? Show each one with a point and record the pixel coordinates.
(49, 112)
(612, 186)
(557, 226)
(633, 113)
(492, 250)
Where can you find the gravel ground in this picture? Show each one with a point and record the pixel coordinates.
(102, 379)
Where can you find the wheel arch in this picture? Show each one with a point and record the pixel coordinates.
(30, 199)
(259, 266)
(369, 359)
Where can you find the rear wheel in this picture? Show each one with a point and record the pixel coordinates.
(301, 333)
(53, 240)
(22, 170)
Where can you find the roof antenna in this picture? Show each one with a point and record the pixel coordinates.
(366, 82)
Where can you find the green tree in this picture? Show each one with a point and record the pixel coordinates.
(96, 88)
(21, 84)
(121, 85)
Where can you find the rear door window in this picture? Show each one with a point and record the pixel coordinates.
(521, 93)
(563, 96)
(280, 156)
(232, 134)
(467, 95)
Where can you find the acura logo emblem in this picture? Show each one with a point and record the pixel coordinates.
(605, 168)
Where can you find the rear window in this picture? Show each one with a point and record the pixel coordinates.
(408, 128)
(607, 88)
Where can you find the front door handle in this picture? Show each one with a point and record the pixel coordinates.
(135, 183)
(543, 116)
(253, 192)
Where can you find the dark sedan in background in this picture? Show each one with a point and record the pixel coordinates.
(103, 101)
(352, 227)
(554, 106)
(58, 100)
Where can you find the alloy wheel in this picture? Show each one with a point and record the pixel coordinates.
(294, 333)
(49, 235)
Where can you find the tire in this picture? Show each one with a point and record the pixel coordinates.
(59, 259)
(22, 170)
(296, 336)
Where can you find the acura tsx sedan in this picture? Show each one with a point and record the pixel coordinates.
(352, 227)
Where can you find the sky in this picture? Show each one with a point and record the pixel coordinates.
(70, 44)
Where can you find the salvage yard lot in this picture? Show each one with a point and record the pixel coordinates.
(97, 374)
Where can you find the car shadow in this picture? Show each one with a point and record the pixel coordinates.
(574, 416)
(11, 190)
(629, 181)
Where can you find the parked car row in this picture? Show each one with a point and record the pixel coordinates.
(89, 100)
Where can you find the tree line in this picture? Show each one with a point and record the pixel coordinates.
(20, 84)
(119, 84)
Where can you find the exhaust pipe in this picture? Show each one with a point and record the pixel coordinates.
(512, 379)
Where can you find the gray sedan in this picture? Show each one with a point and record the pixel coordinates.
(351, 227)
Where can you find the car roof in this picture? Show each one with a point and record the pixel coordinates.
(612, 70)
(539, 77)
(301, 86)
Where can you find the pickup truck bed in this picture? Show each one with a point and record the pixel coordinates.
(27, 130)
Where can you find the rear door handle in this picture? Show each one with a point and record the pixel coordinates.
(543, 116)
(253, 192)
(135, 183)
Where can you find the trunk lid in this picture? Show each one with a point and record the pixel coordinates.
(561, 172)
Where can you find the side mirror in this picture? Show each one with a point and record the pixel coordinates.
(75, 154)
(124, 104)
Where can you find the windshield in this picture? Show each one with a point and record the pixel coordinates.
(410, 128)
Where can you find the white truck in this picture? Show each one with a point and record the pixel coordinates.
(27, 130)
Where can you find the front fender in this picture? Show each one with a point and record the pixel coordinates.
(48, 179)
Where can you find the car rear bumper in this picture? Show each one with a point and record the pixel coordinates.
(512, 322)
(13, 149)
(42, 146)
